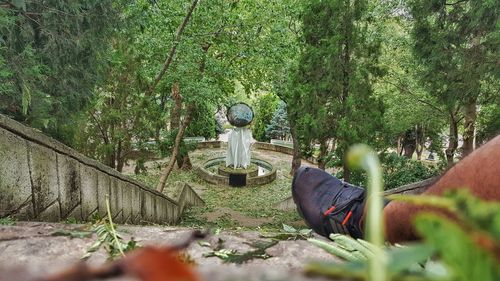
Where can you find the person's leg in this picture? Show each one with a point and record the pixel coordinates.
(479, 172)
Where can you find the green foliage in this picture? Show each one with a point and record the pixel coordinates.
(7, 221)
(264, 108)
(73, 233)
(108, 238)
(167, 144)
(288, 233)
(397, 171)
(488, 123)
(470, 248)
(279, 127)
(204, 123)
(332, 97)
(51, 59)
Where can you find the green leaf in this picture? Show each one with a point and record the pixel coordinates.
(467, 260)
(288, 228)
(26, 99)
(401, 258)
(7, 221)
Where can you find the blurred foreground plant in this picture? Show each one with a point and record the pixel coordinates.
(466, 247)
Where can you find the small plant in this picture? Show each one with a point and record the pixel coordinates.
(108, 237)
(7, 221)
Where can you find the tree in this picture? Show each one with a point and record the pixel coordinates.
(335, 76)
(51, 57)
(114, 116)
(215, 52)
(264, 108)
(456, 42)
(412, 116)
(278, 127)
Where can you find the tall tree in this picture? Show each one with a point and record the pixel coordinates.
(264, 107)
(335, 75)
(457, 44)
(51, 57)
(279, 127)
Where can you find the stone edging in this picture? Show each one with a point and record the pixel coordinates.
(224, 180)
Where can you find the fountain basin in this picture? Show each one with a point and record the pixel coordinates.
(214, 171)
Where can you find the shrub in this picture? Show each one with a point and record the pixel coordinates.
(397, 171)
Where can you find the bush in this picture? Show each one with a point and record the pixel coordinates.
(397, 171)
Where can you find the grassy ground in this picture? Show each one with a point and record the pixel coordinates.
(232, 208)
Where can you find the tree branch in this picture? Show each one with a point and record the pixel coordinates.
(171, 54)
(415, 96)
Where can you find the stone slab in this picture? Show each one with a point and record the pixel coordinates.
(43, 166)
(148, 210)
(41, 253)
(103, 192)
(50, 213)
(68, 170)
(115, 200)
(88, 191)
(136, 202)
(15, 183)
(127, 194)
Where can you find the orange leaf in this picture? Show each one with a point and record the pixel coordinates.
(157, 264)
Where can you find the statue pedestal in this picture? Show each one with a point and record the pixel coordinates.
(251, 171)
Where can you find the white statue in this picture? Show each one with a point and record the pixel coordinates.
(240, 139)
(238, 152)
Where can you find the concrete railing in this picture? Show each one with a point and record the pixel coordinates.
(42, 179)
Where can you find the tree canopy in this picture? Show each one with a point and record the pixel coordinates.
(110, 77)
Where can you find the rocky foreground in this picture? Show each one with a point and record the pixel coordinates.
(33, 249)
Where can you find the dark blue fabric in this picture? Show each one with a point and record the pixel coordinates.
(316, 191)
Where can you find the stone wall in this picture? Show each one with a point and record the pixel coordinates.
(42, 179)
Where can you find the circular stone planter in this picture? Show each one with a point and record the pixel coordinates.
(214, 176)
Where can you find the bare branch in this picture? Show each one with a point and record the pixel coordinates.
(171, 54)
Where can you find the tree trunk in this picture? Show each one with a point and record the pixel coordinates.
(400, 145)
(347, 171)
(175, 150)
(409, 143)
(120, 159)
(175, 117)
(297, 156)
(453, 140)
(186, 163)
(419, 140)
(469, 127)
(323, 150)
